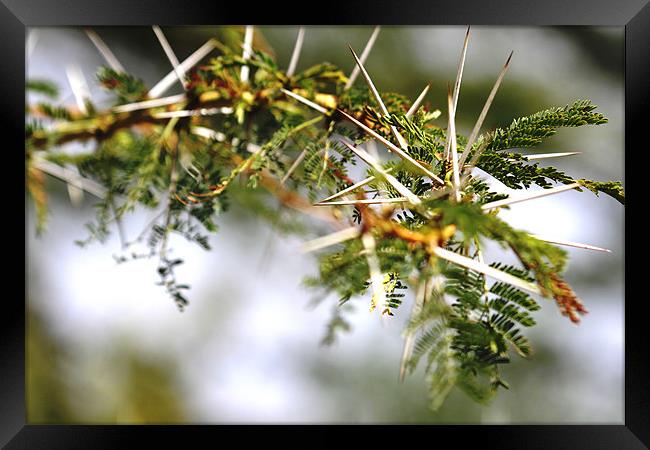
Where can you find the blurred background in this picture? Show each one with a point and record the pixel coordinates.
(106, 345)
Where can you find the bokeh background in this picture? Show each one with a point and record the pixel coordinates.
(106, 345)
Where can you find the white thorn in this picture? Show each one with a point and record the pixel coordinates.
(331, 239)
(352, 188)
(74, 185)
(365, 201)
(416, 104)
(302, 99)
(163, 85)
(248, 50)
(371, 146)
(79, 86)
(487, 270)
(572, 244)
(376, 278)
(296, 52)
(467, 168)
(180, 73)
(461, 67)
(451, 136)
(459, 77)
(364, 56)
(146, 104)
(486, 107)
(294, 166)
(530, 196)
(77, 181)
(194, 112)
(392, 146)
(548, 155)
(399, 187)
(104, 50)
(373, 89)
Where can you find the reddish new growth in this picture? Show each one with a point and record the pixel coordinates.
(110, 83)
(567, 301)
(569, 304)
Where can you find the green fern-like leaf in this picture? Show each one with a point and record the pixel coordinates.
(612, 188)
(529, 131)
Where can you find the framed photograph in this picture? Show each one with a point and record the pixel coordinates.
(376, 214)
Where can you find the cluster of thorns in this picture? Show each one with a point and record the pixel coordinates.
(374, 224)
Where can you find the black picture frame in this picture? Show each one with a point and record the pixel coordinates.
(16, 15)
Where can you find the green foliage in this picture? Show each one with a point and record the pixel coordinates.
(531, 130)
(517, 174)
(42, 87)
(337, 324)
(612, 188)
(466, 343)
(480, 192)
(53, 112)
(512, 168)
(273, 147)
(99, 230)
(127, 87)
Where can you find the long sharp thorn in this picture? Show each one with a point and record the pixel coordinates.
(369, 81)
(376, 278)
(146, 104)
(459, 78)
(392, 146)
(399, 187)
(365, 201)
(194, 112)
(352, 188)
(163, 85)
(331, 239)
(530, 196)
(78, 181)
(294, 166)
(103, 49)
(479, 122)
(296, 52)
(461, 67)
(485, 269)
(371, 147)
(307, 102)
(416, 104)
(467, 168)
(180, 74)
(248, 49)
(549, 155)
(364, 56)
(79, 86)
(375, 93)
(451, 136)
(75, 185)
(571, 244)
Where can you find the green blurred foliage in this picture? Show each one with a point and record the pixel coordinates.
(126, 386)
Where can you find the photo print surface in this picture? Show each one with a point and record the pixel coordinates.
(278, 224)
